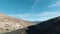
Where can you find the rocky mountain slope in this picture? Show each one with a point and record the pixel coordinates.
(12, 23)
(51, 26)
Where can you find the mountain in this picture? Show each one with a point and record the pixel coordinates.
(36, 22)
(8, 23)
(51, 26)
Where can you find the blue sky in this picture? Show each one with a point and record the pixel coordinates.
(32, 10)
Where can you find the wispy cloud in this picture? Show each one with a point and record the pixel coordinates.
(55, 4)
(34, 4)
(38, 17)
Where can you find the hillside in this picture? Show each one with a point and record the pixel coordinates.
(8, 23)
(51, 26)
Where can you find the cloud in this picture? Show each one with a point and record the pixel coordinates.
(55, 4)
(34, 4)
(37, 17)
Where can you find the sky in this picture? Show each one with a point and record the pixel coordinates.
(31, 10)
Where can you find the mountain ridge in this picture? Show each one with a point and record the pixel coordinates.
(12, 23)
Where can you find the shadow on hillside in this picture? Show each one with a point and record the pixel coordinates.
(19, 31)
(51, 26)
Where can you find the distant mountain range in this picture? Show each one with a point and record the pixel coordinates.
(36, 22)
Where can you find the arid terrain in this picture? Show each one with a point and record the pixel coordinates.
(8, 23)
